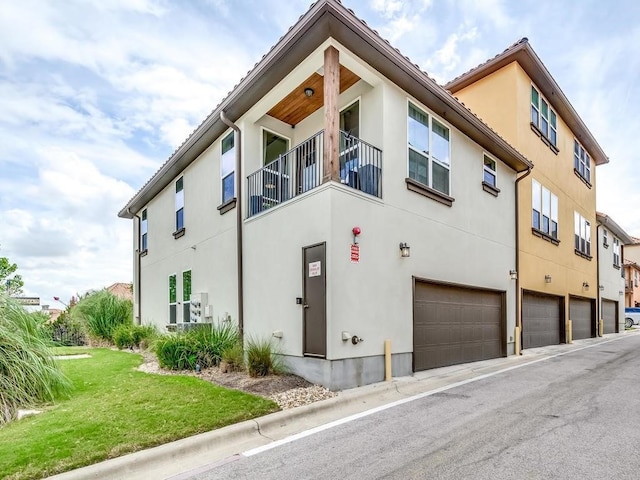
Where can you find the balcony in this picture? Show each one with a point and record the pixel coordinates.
(301, 169)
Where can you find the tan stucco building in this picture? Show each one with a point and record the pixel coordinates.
(557, 261)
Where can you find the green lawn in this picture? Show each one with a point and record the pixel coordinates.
(114, 410)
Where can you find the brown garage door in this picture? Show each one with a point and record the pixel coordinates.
(610, 316)
(541, 320)
(581, 316)
(454, 325)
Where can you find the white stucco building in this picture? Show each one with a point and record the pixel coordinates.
(332, 132)
(611, 241)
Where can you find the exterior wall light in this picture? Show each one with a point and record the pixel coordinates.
(585, 285)
(620, 293)
(513, 274)
(309, 92)
(547, 279)
(601, 287)
(405, 250)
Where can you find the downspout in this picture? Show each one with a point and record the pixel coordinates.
(138, 266)
(518, 316)
(238, 175)
(598, 295)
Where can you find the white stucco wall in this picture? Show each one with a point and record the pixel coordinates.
(610, 277)
(470, 243)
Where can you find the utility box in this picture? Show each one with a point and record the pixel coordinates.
(198, 307)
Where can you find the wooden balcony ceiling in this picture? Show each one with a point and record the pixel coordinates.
(296, 106)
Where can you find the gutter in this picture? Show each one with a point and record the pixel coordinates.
(238, 176)
(138, 267)
(518, 313)
(599, 295)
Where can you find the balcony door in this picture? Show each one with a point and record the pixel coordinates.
(349, 144)
(276, 174)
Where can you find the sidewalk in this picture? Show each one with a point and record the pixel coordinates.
(180, 459)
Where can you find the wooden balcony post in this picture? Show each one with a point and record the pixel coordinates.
(331, 168)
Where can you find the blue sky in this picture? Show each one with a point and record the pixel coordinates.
(96, 94)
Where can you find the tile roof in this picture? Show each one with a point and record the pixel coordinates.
(213, 116)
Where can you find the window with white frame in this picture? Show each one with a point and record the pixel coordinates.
(179, 204)
(543, 117)
(489, 172)
(173, 298)
(143, 231)
(544, 210)
(581, 161)
(616, 252)
(582, 234)
(227, 167)
(186, 296)
(428, 150)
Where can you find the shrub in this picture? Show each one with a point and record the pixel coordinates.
(129, 336)
(263, 358)
(28, 373)
(101, 312)
(176, 351)
(211, 340)
(233, 356)
(202, 345)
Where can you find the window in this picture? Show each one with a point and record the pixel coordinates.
(616, 252)
(227, 167)
(172, 299)
(143, 231)
(605, 241)
(489, 175)
(544, 210)
(581, 161)
(179, 204)
(543, 117)
(429, 152)
(582, 235)
(186, 296)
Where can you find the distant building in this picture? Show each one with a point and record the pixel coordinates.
(122, 290)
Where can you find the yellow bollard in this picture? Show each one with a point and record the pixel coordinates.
(387, 360)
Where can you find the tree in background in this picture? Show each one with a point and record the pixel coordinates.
(10, 284)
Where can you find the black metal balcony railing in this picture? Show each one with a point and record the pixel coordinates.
(300, 170)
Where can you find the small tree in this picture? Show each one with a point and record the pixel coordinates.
(10, 284)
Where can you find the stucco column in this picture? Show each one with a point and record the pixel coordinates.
(331, 168)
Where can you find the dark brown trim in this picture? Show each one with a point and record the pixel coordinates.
(544, 138)
(227, 206)
(487, 187)
(584, 180)
(546, 236)
(517, 230)
(429, 192)
(179, 233)
(581, 254)
(144, 253)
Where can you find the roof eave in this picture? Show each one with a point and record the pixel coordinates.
(527, 58)
(324, 20)
(616, 229)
